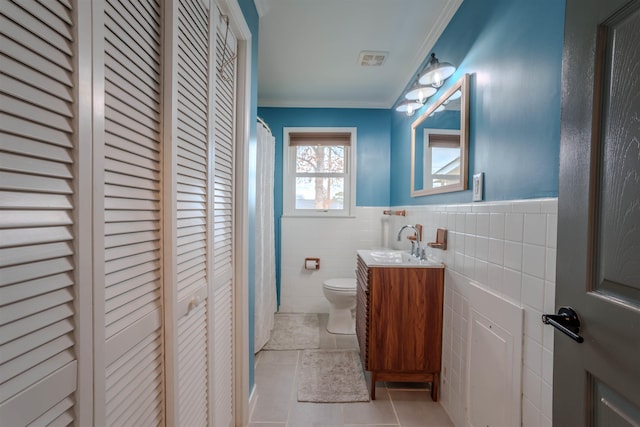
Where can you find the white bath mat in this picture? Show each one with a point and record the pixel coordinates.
(294, 332)
(331, 376)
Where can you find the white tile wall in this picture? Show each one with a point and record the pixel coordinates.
(510, 249)
(333, 240)
(507, 247)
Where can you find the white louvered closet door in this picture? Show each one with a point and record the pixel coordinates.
(223, 217)
(38, 366)
(193, 227)
(133, 333)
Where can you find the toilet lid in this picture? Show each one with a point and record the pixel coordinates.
(341, 284)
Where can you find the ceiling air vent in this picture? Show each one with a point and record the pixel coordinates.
(369, 58)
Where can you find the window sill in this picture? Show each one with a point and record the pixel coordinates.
(318, 216)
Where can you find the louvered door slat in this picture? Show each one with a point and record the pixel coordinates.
(190, 90)
(27, 254)
(56, 416)
(145, 169)
(38, 338)
(133, 227)
(192, 365)
(223, 372)
(125, 192)
(35, 42)
(190, 149)
(20, 145)
(43, 82)
(35, 166)
(128, 403)
(54, 31)
(190, 225)
(36, 96)
(26, 146)
(37, 332)
(35, 356)
(34, 130)
(120, 84)
(189, 125)
(195, 186)
(132, 202)
(46, 117)
(192, 176)
(25, 182)
(60, 9)
(19, 218)
(139, 111)
(145, 17)
(123, 44)
(28, 325)
(134, 30)
(23, 290)
(126, 118)
(31, 59)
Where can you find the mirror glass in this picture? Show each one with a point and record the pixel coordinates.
(439, 145)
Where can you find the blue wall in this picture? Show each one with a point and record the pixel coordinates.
(513, 51)
(373, 151)
(251, 17)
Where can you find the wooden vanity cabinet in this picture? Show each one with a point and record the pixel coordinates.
(399, 323)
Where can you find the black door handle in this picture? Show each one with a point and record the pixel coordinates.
(566, 321)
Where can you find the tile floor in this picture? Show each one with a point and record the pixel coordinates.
(396, 404)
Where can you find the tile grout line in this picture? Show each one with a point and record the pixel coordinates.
(392, 405)
(294, 387)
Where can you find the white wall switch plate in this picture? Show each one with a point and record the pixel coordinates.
(478, 179)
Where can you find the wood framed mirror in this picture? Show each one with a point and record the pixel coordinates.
(439, 143)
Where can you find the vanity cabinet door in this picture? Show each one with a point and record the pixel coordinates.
(406, 325)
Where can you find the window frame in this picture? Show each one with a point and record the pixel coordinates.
(289, 175)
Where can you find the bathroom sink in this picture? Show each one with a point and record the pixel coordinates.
(395, 258)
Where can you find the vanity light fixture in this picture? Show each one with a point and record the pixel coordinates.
(436, 72)
(427, 84)
(408, 107)
(420, 93)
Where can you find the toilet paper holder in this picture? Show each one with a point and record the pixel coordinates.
(312, 263)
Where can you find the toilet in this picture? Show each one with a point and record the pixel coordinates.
(341, 294)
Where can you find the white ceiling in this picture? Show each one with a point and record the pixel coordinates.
(308, 49)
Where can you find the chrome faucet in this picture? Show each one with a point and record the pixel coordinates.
(415, 245)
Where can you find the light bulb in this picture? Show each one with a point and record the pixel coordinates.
(409, 110)
(422, 96)
(438, 80)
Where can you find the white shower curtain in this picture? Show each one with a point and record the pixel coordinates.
(265, 283)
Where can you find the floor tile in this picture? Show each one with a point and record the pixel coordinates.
(415, 408)
(267, 424)
(305, 414)
(379, 411)
(274, 389)
(279, 357)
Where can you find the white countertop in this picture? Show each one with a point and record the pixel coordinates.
(395, 258)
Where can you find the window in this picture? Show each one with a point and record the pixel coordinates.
(318, 171)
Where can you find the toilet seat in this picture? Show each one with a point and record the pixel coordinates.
(340, 285)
